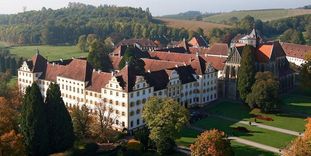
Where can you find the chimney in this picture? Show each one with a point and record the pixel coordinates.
(94, 70)
(176, 65)
(99, 71)
(184, 63)
(149, 71)
(197, 54)
(61, 60)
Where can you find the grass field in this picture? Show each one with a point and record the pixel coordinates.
(49, 52)
(291, 103)
(188, 137)
(4, 44)
(191, 25)
(264, 15)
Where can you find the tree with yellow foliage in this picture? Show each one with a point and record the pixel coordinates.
(212, 142)
(302, 145)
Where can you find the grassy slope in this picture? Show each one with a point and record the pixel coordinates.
(191, 25)
(50, 52)
(264, 15)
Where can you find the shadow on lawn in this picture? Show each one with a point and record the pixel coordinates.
(241, 150)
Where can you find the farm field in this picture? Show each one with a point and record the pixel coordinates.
(191, 25)
(51, 53)
(264, 15)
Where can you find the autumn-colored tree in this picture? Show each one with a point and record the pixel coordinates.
(300, 146)
(11, 143)
(212, 142)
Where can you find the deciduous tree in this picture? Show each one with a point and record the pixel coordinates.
(264, 92)
(164, 118)
(212, 142)
(81, 120)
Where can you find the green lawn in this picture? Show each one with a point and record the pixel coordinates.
(187, 137)
(256, 134)
(244, 150)
(298, 103)
(291, 102)
(50, 52)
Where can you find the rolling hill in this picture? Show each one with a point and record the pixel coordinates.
(264, 15)
(191, 25)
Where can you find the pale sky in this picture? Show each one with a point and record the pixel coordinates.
(158, 7)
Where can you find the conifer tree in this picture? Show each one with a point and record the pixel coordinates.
(33, 122)
(60, 128)
(2, 66)
(247, 71)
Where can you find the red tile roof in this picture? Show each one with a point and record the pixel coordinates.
(156, 65)
(296, 50)
(217, 62)
(99, 81)
(218, 49)
(198, 42)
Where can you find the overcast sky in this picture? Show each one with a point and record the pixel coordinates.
(158, 7)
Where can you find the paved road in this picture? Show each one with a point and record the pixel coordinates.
(281, 130)
(183, 149)
(255, 144)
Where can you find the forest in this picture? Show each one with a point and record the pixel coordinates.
(64, 26)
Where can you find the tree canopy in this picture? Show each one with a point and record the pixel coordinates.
(164, 118)
(247, 71)
(33, 123)
(212, 142)
(264, 92)
(65, 25)
(60, 128)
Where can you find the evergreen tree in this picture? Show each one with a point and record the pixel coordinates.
(247, 71)
(2, 66)
(60, 128)
(33, 122)
(13, 66)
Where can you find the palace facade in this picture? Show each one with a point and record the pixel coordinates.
(187, 78)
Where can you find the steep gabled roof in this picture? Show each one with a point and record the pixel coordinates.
(217, 62)
(78, 69)
(127, 78)
(38, 63)
(98, 81)
(198, 42)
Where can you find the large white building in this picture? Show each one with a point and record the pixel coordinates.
(187, 78)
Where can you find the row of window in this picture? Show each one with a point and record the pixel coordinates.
(70, 82)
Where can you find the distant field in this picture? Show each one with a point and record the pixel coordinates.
(4, 44)
(49, 52)
(191, 25)
(264, 15)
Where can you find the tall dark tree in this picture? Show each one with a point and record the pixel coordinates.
(98, 56)
(247, 71)
(2, 66)
(133, 61)
(33, 123)
(264, 94)
(13, 66)
(60, 127)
